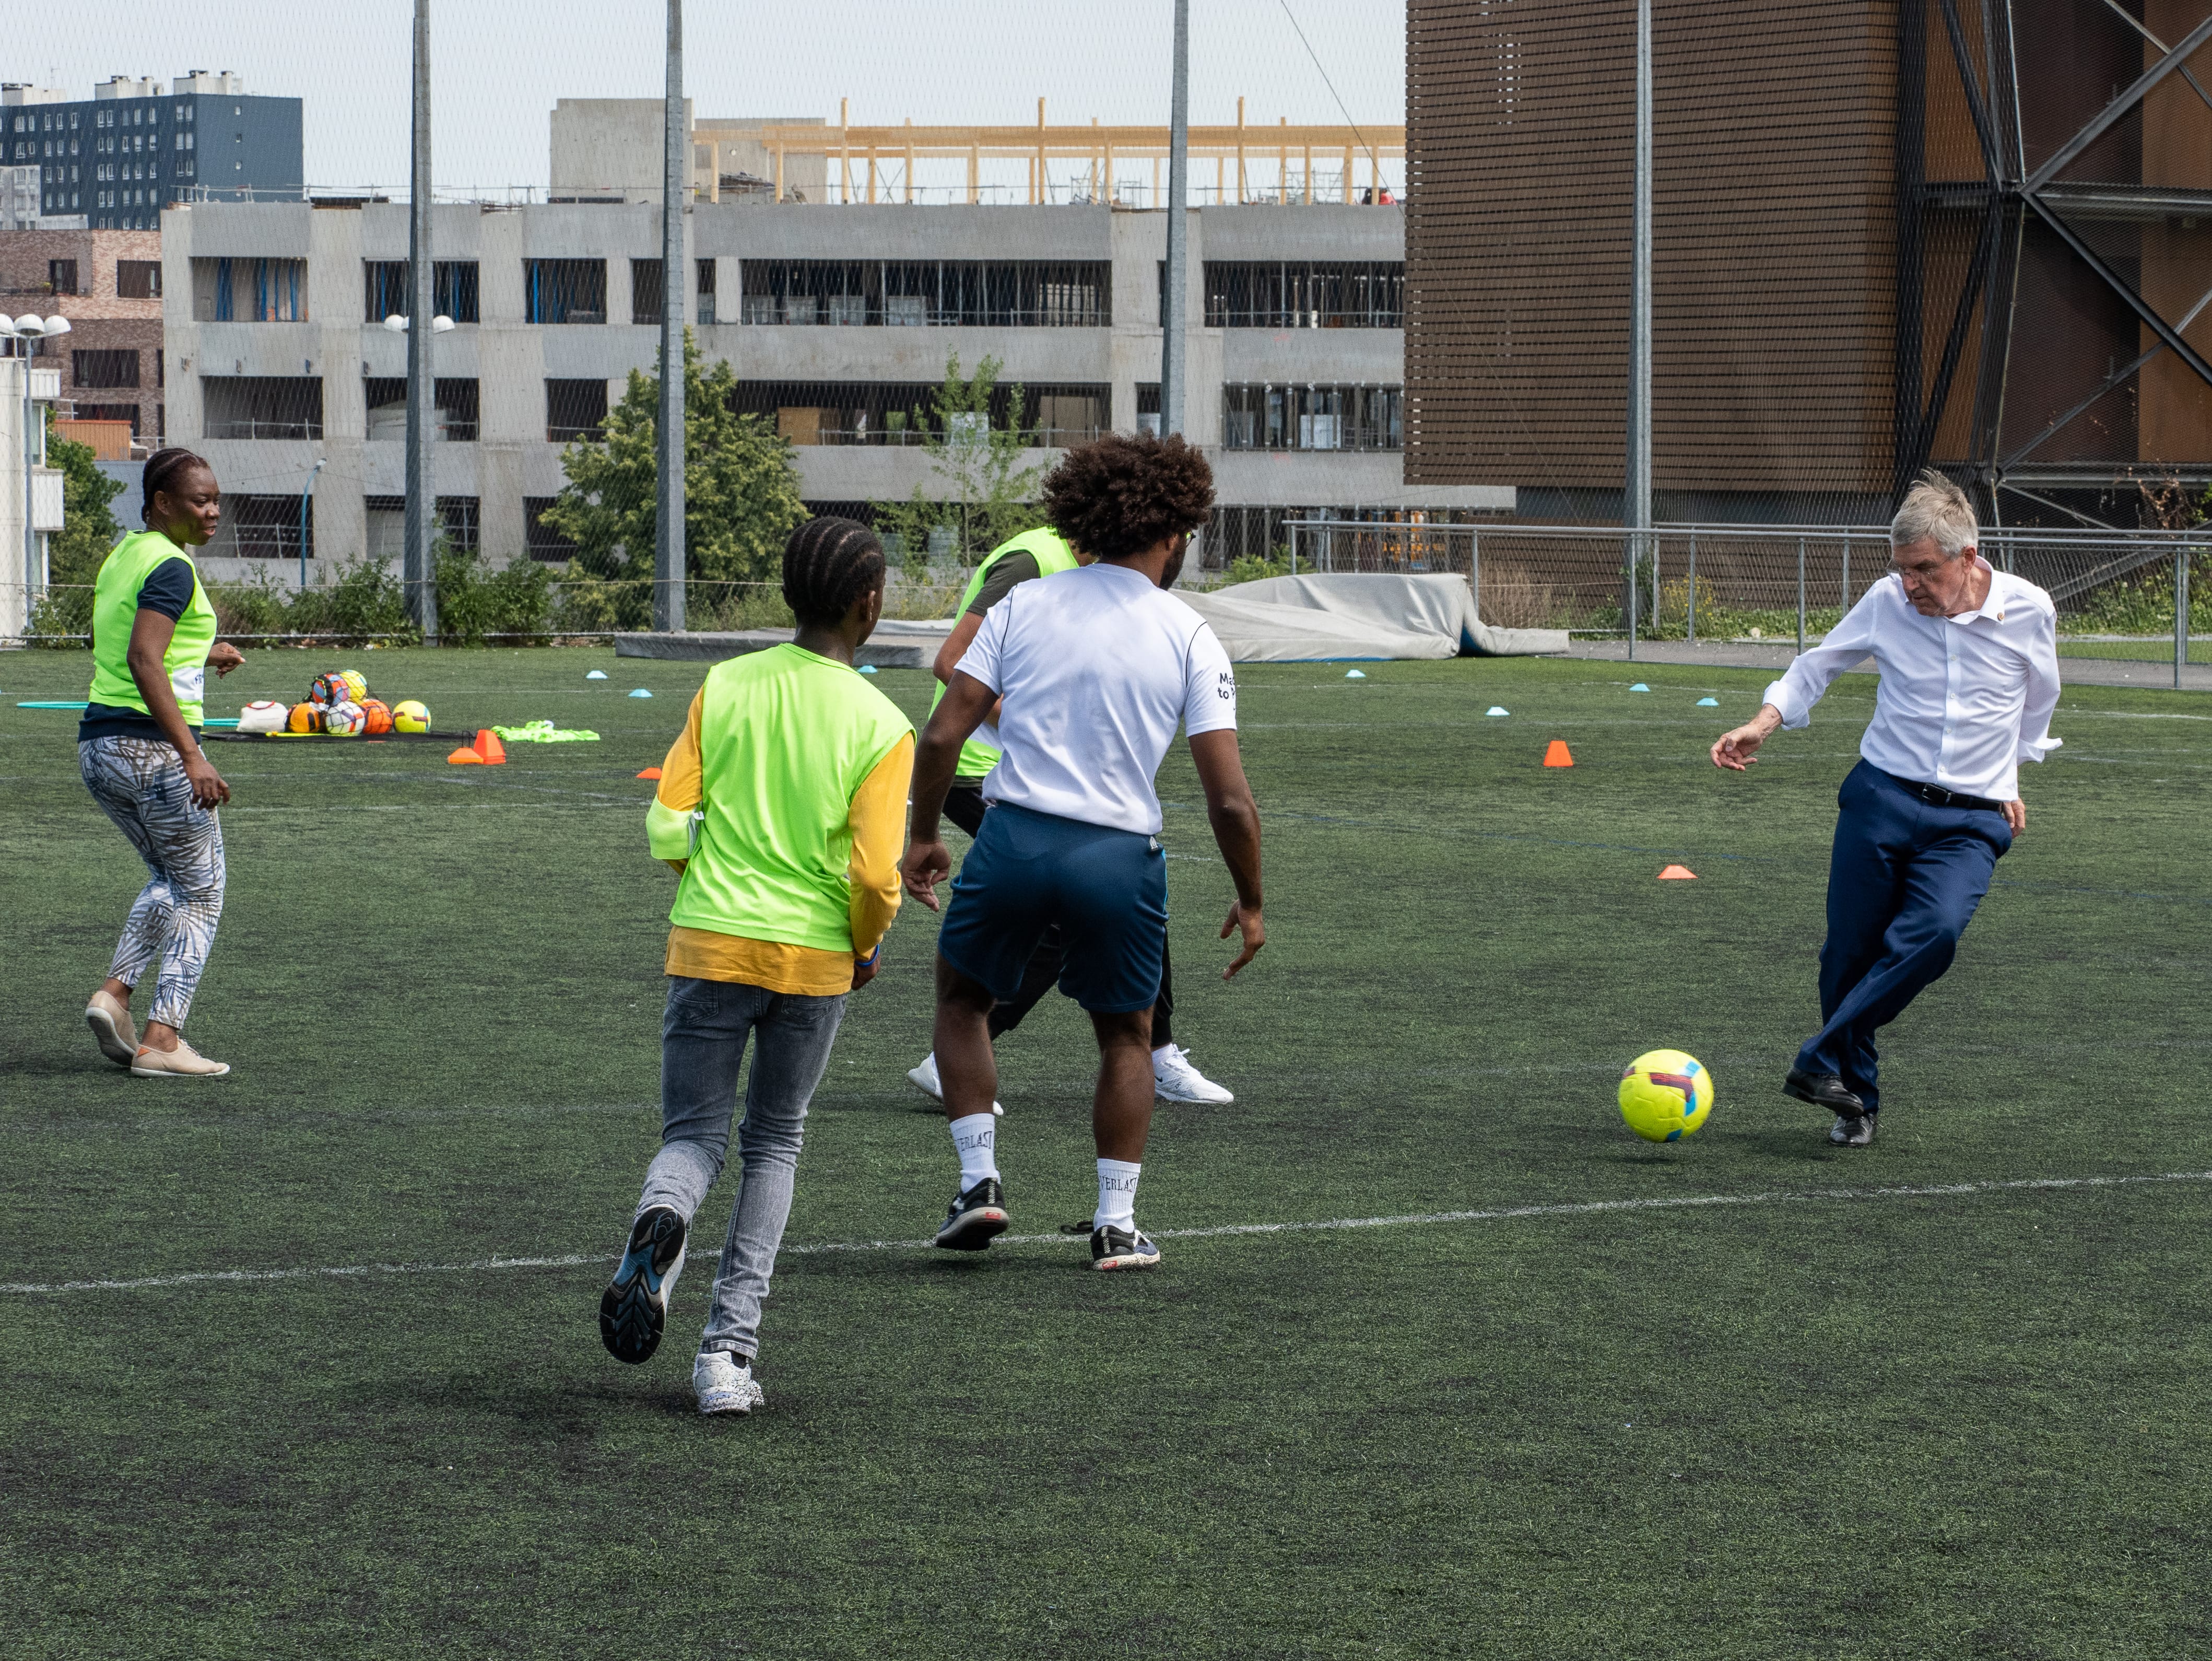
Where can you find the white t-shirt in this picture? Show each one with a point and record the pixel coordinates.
(1097, 667)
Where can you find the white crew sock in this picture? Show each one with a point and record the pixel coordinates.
(976, 1140)
(1117, 1194)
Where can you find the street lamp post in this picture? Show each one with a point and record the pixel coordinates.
(26, 331)
(306, 496)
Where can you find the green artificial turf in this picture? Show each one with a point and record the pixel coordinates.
(1826, 1421)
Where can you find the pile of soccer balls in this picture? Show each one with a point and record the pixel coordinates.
(338, 705)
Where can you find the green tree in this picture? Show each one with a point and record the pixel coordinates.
(74, 552)
(740, 491)
(986, 485)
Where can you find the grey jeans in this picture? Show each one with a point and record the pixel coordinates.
(703, 1046)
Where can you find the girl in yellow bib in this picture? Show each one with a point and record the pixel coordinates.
(783, 806)
(153, 642)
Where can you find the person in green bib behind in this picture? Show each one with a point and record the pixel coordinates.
(153, 642)
(1042, 552)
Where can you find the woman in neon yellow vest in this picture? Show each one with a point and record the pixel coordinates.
(153, 642)
(783, 806)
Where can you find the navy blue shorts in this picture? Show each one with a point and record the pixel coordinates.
(1106, 889)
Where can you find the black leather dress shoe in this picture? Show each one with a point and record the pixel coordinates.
(1824, 1090)
(1853, 1133)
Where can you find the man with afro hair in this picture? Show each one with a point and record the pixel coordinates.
(1094, 671)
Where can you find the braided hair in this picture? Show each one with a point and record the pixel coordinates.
(165, 469)
(828, 564)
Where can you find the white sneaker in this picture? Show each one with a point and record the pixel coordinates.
(1175, 1080)
(182, 1062)
(109, 1018)
(724, 1384)
(924, 1079)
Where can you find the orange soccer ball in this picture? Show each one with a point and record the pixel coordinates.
(305, 718)
(377, 716)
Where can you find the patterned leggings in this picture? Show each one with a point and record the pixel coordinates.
(140, 784)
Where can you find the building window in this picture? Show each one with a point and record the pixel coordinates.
(226, 290)
(575, 410)
(265, 528)
(61, 275)
(262, 406)
(453, 408)
(1303, 294)
(1292, 417)
(103, 368)
(891, 412)
(564, 290)
(645, 295)
(540, 540)
(453, 289)
(458, 518)
(138, 279)
(931, 292)
(706, 291)
(109, 412)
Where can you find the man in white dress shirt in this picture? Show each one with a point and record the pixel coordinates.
(1969, 678)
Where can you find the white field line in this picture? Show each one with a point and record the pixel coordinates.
(1408, 1220)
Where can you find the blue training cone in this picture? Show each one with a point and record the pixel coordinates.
(1639, 687)
(641, 693)
(1355, 674)
(867, 668)
(1709, 703)
(1498, 709)
(597, 674)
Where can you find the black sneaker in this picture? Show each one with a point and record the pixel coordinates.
(977, 1217)
(633, 1308)
(1122, 1248)
(1853, 1132)
(1824, 1090)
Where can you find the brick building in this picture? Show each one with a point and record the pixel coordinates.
(108, 284)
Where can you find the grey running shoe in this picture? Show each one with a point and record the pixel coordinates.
(724, 1383)
(1853, 1132)
(978, 1216)
(1122, 1248)
(633, 1308)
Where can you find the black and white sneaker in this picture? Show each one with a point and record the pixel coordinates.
(633, 1308)
(977, 1217)
(1122, 1248)
(1853, 1132)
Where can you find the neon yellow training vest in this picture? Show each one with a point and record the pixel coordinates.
(784, 739)
(1053, 556)
(115, 609)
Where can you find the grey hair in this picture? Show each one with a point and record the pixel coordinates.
(1936, 508)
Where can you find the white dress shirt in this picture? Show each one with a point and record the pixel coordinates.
(1962, 702)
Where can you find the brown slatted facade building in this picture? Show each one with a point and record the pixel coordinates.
(1852, 276)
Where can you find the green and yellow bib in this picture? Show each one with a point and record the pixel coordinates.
(1053, 557)
(115, 610)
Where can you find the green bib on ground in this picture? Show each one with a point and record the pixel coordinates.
(784, 739)
(1053, 556)
(115, 610)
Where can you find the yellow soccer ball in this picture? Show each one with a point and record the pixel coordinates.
(409, 717)
(1665, 1095)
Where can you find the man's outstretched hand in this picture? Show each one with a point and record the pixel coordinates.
(1245, 919)
(926, 865)
(1736, 751)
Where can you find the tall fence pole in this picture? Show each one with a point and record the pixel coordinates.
(2180, 613)
(1633, 553)
(1694, 590)
(1847, 574)
(1801, 596)
(418, 581)
(668, 538)
(1174, 340)
(1474, 570)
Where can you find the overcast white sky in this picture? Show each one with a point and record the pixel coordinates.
(499, 64)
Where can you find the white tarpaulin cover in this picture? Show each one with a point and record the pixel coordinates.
(1344, 617)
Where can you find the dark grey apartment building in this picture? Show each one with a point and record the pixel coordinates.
(121, 155)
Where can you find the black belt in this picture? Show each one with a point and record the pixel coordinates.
(1936, 796)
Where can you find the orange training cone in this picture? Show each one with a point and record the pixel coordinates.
(1678, 873)
(650, 773)
(489, 749)
(464, 757)
(1557, 756)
